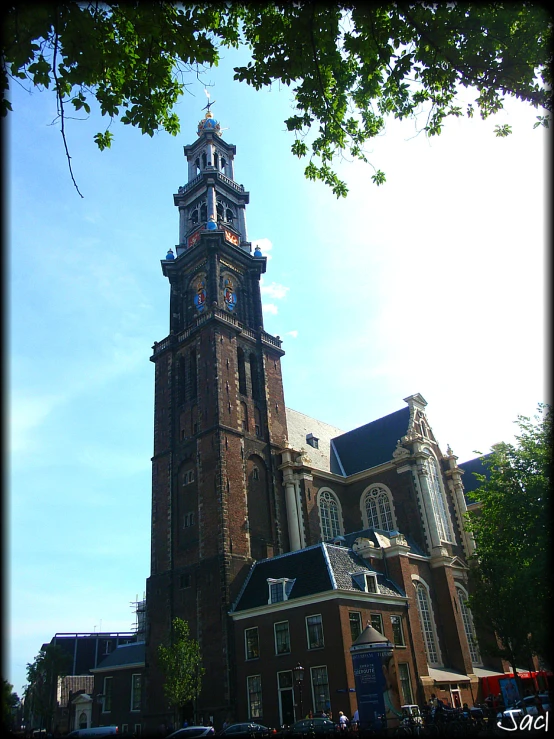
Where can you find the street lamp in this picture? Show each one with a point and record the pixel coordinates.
(298, 679)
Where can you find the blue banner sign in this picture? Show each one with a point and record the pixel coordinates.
(370, 686)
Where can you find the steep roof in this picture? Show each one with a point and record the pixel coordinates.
(372, 444)
(123, 656)
(299, 426)
(316, 569)
(469, 480)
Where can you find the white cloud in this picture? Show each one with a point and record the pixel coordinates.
(270, 308)
(293, 333)
(275, 291)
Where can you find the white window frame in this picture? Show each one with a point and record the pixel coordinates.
(251, 714)
(286, 585)
(439, 500)
(327, 499)
(138, 729)
(380, 617)
(319, 646)
(407, 699)
(133, 676)
(279, 623)
(469, 626)
(327, 697)
(362, 580)
(428, 623)
(359, 619)
(378, 492)
(400, 619)
(246, 657)
(107, 693)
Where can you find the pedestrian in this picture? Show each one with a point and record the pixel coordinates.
(343, 721)
(355, 719)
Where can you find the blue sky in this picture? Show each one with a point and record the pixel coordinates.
(433, 283)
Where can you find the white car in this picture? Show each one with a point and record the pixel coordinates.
(514, 714)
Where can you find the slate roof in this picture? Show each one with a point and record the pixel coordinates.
(316, 569)
(369, 445)
(300, 425)
(469, 480)
(126, 654)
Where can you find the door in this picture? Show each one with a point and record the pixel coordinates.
(286, 698)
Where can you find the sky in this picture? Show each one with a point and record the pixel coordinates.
(433, 283)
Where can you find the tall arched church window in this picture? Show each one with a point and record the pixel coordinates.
(469, 628)
(438, 500)
(255, 377)
(241, 371)
(427, 620)
(377, 508)
(329, 514)
(203, 212)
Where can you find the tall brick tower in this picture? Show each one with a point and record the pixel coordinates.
(217, 502)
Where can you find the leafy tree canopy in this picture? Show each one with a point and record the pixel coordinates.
(42, 675)
(10, 700)
(181, 664)
(350, 65)
(511, 572)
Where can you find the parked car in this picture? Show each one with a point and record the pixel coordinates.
(246, 730)
(191, 732)
(95, 731)
(517, 712)
(311, 726)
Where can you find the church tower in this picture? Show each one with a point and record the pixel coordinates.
(219, 425)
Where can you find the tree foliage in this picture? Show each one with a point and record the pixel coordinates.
(42, 676)
(350, 65)
(10, 701)
(510, 574)
(181, 664)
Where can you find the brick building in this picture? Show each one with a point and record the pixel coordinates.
(245, 492)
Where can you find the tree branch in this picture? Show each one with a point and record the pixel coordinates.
(59, 97)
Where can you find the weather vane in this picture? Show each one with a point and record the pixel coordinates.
(207, 107)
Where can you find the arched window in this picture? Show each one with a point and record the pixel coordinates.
(203, 212)
(219, 211)
(329, 514)
(194, 216)
(377, 509)
(254, 377)
(438, 500)
(204, 160)
(197, 163)
(216, 160)
(427, 621)
(241, 371)
(469, 628)
(229, 215)
(223, 163)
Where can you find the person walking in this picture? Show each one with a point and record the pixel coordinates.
(343, 721)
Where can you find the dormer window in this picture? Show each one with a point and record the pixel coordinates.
(279, 590)
(312, 440)
(366, 581)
